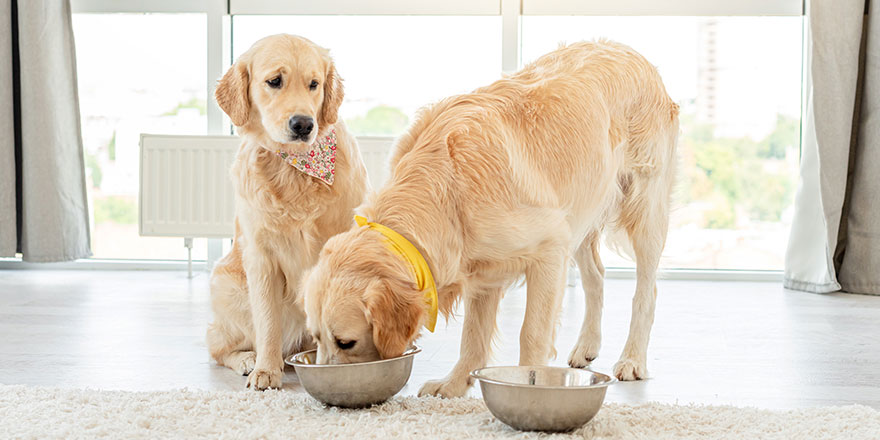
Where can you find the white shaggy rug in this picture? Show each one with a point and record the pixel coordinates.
(28, 412)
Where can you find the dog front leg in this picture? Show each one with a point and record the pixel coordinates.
(265, 284)
(476, 345)
(545, 285)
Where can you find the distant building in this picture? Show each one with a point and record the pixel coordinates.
(707, 76)
(749, 71)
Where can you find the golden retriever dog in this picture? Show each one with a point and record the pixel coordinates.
(297, 177)
(513, 179)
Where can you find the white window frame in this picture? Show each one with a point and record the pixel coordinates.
(361, 7)
(219, 43)
(664, 7)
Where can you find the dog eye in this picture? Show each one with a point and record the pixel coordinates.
(274, 83)
(345, 345)
(313, 85)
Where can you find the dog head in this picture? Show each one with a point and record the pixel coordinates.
(361, 300)
(284, 88)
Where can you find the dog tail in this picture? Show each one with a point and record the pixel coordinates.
(618, 241)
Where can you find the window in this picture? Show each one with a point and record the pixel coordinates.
(138, 73)
(735, 68)
(738, 80)
(392, 65)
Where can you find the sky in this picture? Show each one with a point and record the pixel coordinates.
(410, 61)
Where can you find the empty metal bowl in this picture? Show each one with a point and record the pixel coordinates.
(353, 385)
(543, 398)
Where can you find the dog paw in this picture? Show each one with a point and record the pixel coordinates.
(629, 369)
(246, 363)
(583, 354)
(260, 379)
(444, 388)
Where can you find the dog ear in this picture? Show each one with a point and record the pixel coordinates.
(232, 93)
(333, 95)
(396, 315)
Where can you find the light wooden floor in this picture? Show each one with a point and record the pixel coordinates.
(746, 344)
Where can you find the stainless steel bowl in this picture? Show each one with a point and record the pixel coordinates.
(353, 385)
(543, 398)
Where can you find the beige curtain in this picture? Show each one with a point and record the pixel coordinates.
(8, 221)
(835, 237)
(43, 208)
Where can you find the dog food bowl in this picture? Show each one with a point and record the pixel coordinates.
(353, 385)
(543, 398)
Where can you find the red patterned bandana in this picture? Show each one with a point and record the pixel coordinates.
(319, 161)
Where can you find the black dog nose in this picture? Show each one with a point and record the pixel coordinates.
(301, 125)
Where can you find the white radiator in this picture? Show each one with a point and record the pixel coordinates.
(185, 189)
(184, 186)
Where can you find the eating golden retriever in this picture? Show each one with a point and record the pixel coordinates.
(513, 179)
(297, 178)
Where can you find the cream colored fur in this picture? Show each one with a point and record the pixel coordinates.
(516, 178)
(283, 216)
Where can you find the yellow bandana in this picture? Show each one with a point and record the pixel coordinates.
(402, 247)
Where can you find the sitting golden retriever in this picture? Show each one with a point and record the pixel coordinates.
(512, 179)
(298, 177)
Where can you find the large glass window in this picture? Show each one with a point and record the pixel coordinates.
(738, 80)
(392, 65)
(138, 73)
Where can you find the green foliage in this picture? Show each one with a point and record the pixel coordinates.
(94, 169)
(737, 175)
(768, 196)
(115, 209)
(379, 120)
(111, 147)
(720, 162)
(787, 134)
(721, 216)
(195, 103)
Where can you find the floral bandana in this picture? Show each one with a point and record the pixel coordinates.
(319, 161)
